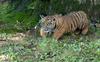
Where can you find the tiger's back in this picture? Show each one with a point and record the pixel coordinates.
(75, 20)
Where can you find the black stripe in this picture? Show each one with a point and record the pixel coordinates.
(73, 26)
(78, 16)
(82, 16)
(75, 20)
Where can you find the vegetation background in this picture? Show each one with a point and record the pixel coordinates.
(22, 15)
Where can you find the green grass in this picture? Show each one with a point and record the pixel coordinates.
(81, 49)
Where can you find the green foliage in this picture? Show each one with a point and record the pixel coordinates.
(3, 11)
(82, 49)
(21, 15)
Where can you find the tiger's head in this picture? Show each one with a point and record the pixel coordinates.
(48, 24)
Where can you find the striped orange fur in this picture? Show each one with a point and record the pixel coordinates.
(66, 23)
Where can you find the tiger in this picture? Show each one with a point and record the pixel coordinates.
(58, 25)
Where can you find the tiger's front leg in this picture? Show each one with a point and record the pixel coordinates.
(42, 33)
(57, 34)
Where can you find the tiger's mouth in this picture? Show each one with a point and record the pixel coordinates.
(48, 32)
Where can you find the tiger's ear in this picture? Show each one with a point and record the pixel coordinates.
(41, 16)
(54, 19)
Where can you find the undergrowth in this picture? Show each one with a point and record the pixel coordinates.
(82, 49)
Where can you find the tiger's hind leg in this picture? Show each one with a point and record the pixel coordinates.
(85, 30)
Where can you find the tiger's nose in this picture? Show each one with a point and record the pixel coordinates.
(46, 30)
